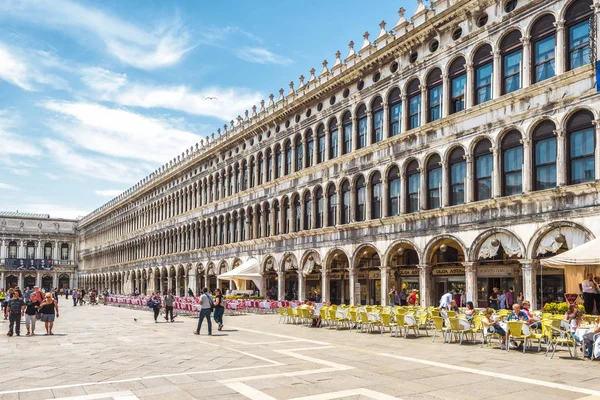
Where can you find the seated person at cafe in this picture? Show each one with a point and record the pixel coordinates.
(588, 339)
(453, 306)
(469, 310)
(570, 314)
(533, 321)
(517, 314)
(491, 325)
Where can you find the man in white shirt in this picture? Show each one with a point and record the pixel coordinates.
(445, 300)
(206, 306)
(588, 288)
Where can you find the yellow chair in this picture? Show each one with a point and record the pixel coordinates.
(515, 332)
(292, 315)
(406, 325)
(438, 326)
(386, 322)
(562, 338)
(455, 329)
(364, 322)
(423, 321)
(353, 318)
(282, 314)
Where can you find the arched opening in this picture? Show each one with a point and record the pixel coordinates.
(578, 19)
(310, 148)
(393, 192)
(47, 283)
(63, 281)
(290, 267)
(403, 260)
(483, 170)
(339, 290)
(270, 278)
(446, 257)
(458, 174)
(395, 105)
(483, 68)
(413, 176)
(29, 282)
(308, 211)
(434, 95)
(543, 43)
(512, 59)
(48, 251)
(377, 117)
(345, 202)
(414, 104)
(544, 156)
(30, 250)
(361, 120)
(347, 132)
(311, 269)
(321, 145)
(376, 196)
(581, 142)
(332, 205)
(299, 152)
(512, 164)
(12, 249)
(319, 208)
(64, 252)
(360, 198)
(458, 81)
(369, 275)
(333, 139)
(434, 182)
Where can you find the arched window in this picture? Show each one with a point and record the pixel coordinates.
(458, 81)
(229, 230)
(269, 172)
(512, 164)
(543, 42)
(578, 19)
(288, 157)
(483, 67)
(48, 251)
(361, 119)
(261, 169)
(321, 143)
(393, 181)
(582, 145)
(217, 189)
(221, 230)
(299, 153)
(259, 222)
(320, 208)
(251, 173)
(30, 250)
(64, 251)
(276, 216)
(310, 149)
(234, 223)
(414, 104)
(483, 170)
(434, 182)
(395, 104)
(278, 163)
(434, 95)
(215, 233)
(267, 216)
(512, 59)
(242, 226)
(333, 139)
(361, 198)
(244, 175)
(458, 172)
(223, 188)
(307, 211)
(347, 127)
(12, 250)
(414, 185)
(230, 177)
(544, 156)
(345, 198)
(287, 215)
(210, 195)
(298, 212)
(376, 195)
(332, 204)
(377, 113)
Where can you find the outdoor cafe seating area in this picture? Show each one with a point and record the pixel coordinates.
(550, 334)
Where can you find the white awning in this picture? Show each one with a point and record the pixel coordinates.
(248, 271)
(582, 255)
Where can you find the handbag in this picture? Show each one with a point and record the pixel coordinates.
(150, 304)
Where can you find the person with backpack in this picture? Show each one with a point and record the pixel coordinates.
(15, 310)
(31, 310)
(169, 299)
(207, 305)
(155, 304)
(219, 308)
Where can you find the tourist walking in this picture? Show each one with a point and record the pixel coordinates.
(15, 310)
(156, 305)
(92, 297)
(445, 300)
(31, 310)
(206, 306)
(81, 297)
(589, 289)
(494, 299)
(3, 299)
(169, 299)
(49, 310)
(219, 309)
(105, 295)
(190, 292)
(75, 297)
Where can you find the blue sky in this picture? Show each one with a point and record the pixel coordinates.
(96, 95)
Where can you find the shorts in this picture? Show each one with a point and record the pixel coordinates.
(47, 317)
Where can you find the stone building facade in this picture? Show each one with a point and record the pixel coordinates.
(37, 237)
(449, 153)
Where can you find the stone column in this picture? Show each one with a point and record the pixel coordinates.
(403, 191)
(21, 280)
(56, 252)
(353, 276)
(424, 105)
(560, 52)
(370, 139)
(445, 95)
(315, 148)
(368, 201)
(471, 282)
(274, 219)
(423, 189)
(425, 279)
(528, 269)
(280, 285)
(497, 75)
(325, 286)
(327, 143)
(354, 134)
(2, 284)
(38, 279)
(169, 281)
(561, 157)
(385, 272)
(527, 165)
(22, 245)
(496, 173)
(55, 280)
(469, 178)
(526, 70)
(301, 288)
(340, 138)
(352, 204)
(386, 121)
(445, 192)
(384, 197)
(404, 114)
(469, 87)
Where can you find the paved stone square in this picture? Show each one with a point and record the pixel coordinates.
(102, 352)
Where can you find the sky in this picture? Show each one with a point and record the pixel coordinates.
(95, 95)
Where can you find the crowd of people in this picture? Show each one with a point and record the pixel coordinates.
(32, 305)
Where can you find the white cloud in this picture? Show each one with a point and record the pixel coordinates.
(133, 45)
(102, 168)
(108, 193)
(6, 186)
(12, 143)
(51, 176)
(119, 133)
(261, 55)
(102, 80)
(13, 69)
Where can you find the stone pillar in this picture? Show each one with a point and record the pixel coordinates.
(527, 165)
(445, 192)
(496, 173)
(315, 148)
(471, 282)
(368, 205)
(386, 121)
(561, 157)
(469, 87)
(340, 138)
(354, 134)
(526, 70)
(38, 279)
(370, 140)
(425, 278)
(327, 144)
(56, 252)
(445, 95)
(424, 105)
(423, 189)
(325, 286)
(528, 269)
(280, 285)
(560, 52)
(404, 114)
(273, 222)
(55, 280)
(353, 276)
(469, 178)
(21, 280)
(385, 194)
(385, 272)
(496, 75)
(2, 251)
(301, 288)
(2, 284)
(169, 281)
(403, 191)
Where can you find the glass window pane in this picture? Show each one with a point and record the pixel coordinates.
(512, 71)
(458, 93)
(414, 110)
(579, 49)
(362, 132)
(483, 76)
(396, 114)
(544, 59)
